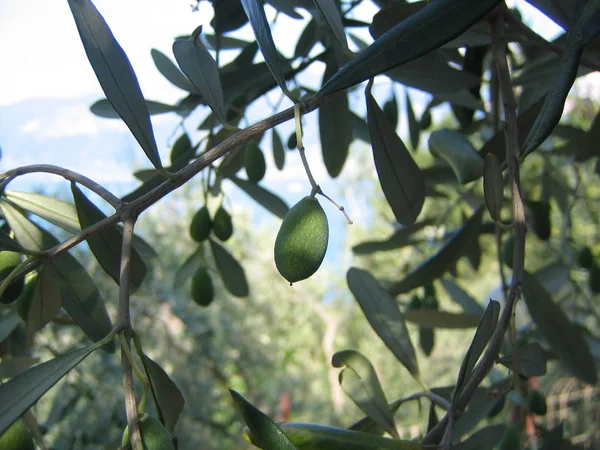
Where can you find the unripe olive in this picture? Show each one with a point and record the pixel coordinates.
(201, 225)
(17, 437)
(202, 288)
(536, 402)
(302, 240)
(222, 225)
(8, 262)
(415, 303)
(154, 435)
(254, 162)
(292, 143)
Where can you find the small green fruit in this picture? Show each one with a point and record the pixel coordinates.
(203, 292)
(222, 225)
(292, 143)
(17, 437)
(254, 162)
(585, 258)
(302, 240)
(415, 303)
(8, 262)
(536, 401)
(511, 439)
(201, 225)
(154, 435)
(508, 251)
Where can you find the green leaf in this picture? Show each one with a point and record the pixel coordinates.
(563, 336)
(307, 40)
(232, 273)
(382, 312)
(426, 339)
(8, 323)
(431, 27)
(80, 296)
(460, 296)
(330, 12)
(115, 74)
(18, 394)
(278, 151)
(8, 243)
(265, 433)
(182, 149)
(188, 268)
(45, 303)
(103, 108)
(436, 265)
(458, 152)
(414, 130)
(390, 110)
(15, 365)
(57, 212)
(361, 384)
(531, 360)
(368, 425)
(167, 396)
(401, 179)
(170, 71)
(201, 69)
(336, 135)
(402, 237)
(485, 439)
(260, 25)
(224, 42)
(441, 319)
(107, 245)
(493, 186)
(484, 332)
(267, 199)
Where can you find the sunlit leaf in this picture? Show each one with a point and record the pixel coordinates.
(18, 394)
(493, 185)
(531, 360)
(170, 71)
(106, 245)
(264, 197)
(382, 312)
(564, 337)
(278, 151)
(431, 27)
(232, 273)
(360, 382)
(115, 74)
(265, 433)
(166, 394)
(458, 152)
(399, 176)
(330, 12)
(441, 319)
(436, 265)
(57, 212)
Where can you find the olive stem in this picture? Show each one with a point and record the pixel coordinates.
(340, 207)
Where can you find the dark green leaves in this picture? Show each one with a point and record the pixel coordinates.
(57, 212)
(45, 302)
(399, 176)
(115, 74)
(441, 319)
(330, 12)
(278, 151)
(531, 360)
(103, 108)
(429, 28)
(202, 70)
(170, 71)
(435, 266)
(265, 433)
(267, 199)
(106, 245)
(565, 338)
(458, 152)
(232, 273)
(262, 32)
(385, 317)
(493, 185)
(360, 382)
(334, 120)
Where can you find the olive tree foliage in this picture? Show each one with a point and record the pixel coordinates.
(506, 87)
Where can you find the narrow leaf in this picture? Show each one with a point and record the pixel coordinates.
(460, 296)
(531, 360)
(8, 323)
(103, 108)
(360, 382)
(8, 243)
(441, 319)
(485, 439)
(167, 395)
(260, 25)
(107, 245)
(115, 74)
(330, 12)
(436, 265)
(278, 151)
(493, 186)
(232, 273)
(402, 237)
(414, 130)
(57, 212)
(382, 312)
(458, 152)
(45, 303)
(431, 27)
(264, 197)
(170, 71)
(201, 69)
(266, 434)
(368, 425)
(401, 179)
(563, 336)
(15, 365)
(18, 394)
(186, 270)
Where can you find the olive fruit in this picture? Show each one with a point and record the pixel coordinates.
(415, 303)
(511, 438)
(154, 435)
(302, 240)
(536, 402)
(222, 225)
(17, 437)
(8, 262)
(254, 162)
(540, 219)
(201, 225)
(202, 287)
